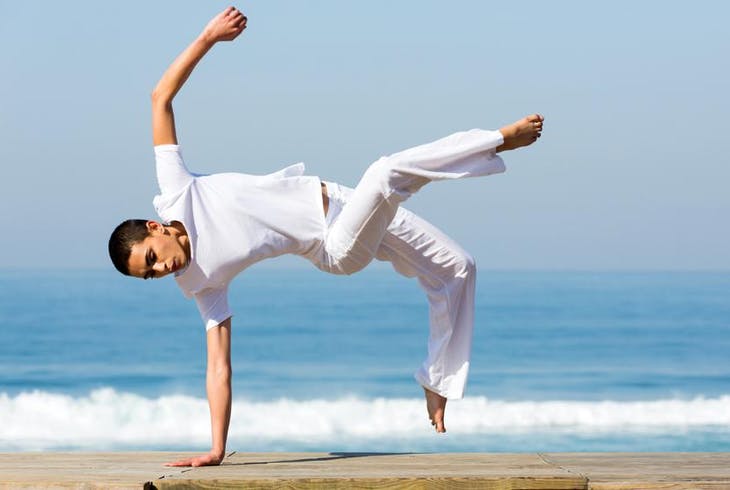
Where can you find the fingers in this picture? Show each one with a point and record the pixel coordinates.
(183, 462)
(236, 18)
(199, 461)
(234, 15)
(204, 460)
(237, 22)
(240, 23)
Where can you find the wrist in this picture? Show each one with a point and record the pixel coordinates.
(206, 38)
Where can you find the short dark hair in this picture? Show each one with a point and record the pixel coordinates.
(122, 239)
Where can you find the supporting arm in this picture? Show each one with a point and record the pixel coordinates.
(218, 383)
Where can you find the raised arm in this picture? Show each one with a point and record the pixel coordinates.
(218, 383)
(226, 26)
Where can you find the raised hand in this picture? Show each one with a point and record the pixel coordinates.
(226, 26)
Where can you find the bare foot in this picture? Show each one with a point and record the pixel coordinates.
(436, 406)
(521, 133)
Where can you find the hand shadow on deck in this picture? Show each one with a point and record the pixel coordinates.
(332, 456)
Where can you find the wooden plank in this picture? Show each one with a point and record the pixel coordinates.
(384, 465)
(421, 483)
(602, 471)
(648, 471)
(87, 470)
(285, 470)
(379, 471)
(684, 485)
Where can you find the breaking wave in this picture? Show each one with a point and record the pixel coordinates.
(106, 418)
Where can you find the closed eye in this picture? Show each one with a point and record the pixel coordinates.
(149, 261)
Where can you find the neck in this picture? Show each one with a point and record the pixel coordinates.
(181, 235)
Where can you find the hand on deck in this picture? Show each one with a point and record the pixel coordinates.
(209, 459)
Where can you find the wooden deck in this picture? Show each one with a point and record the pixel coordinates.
(555, 471)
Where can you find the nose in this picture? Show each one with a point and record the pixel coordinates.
(161, 268)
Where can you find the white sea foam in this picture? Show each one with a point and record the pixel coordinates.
(110, 419)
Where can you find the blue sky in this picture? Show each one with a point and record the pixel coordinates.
(631, 173)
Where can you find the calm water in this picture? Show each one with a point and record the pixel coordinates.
(562, 361)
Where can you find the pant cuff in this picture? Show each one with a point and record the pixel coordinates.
(421, 379)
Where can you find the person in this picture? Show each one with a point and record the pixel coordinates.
(214, 226)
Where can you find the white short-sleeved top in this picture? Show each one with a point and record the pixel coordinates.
(234, 220)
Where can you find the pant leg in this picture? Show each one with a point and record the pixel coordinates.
(353, 240)
(447, 274)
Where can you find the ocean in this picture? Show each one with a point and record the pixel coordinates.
(562, 361)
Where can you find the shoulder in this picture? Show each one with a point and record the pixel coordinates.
(172, 174)
(168, 151)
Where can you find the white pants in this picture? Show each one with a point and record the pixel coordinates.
(366, 223)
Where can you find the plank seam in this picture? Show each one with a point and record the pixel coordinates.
(546, 460)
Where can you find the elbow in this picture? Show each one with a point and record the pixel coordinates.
(161, 97)
(221, 373)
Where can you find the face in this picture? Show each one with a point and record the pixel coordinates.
(161, 253)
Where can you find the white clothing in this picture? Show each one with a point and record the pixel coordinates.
(234, 220)
(353, 240)
(447, 273)
(367, 223)
(362, 224)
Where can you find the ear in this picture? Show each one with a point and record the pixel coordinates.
(155, 227)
